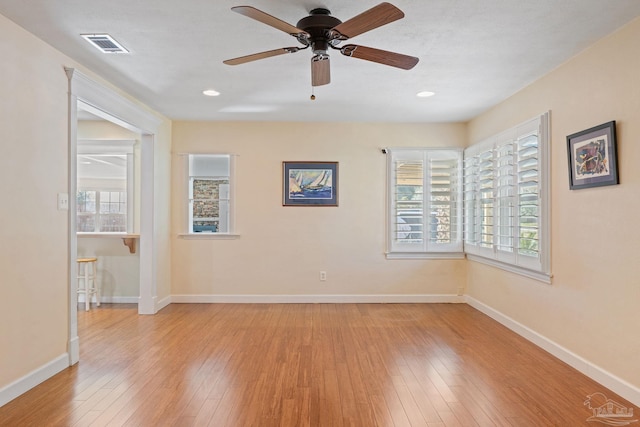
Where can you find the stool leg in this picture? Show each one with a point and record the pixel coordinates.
(87, 292)
(95, 282)
(79, 279)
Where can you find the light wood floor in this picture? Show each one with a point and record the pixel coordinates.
(305, 365)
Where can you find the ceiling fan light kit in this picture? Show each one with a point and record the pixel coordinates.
(320, 31)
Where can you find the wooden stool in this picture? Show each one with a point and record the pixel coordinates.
(87, 280)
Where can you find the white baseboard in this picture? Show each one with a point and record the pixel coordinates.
(33, 378)
(111, 300)
(596, 373)
(74, 350)
(163, 303)
(317, 299)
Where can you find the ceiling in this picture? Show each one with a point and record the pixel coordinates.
(103, 159)
(473, 54)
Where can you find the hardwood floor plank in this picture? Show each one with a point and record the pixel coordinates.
(449, 419)
(87, 419)
(409, 405)
(381, 412)
(305, 365)
(428, 411)
(205, 414)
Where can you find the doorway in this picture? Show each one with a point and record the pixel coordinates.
(87, 95)
(108, 206)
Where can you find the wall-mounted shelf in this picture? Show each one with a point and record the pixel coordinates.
(128, 239)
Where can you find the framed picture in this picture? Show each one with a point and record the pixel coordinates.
(310, 183)
(593, 161)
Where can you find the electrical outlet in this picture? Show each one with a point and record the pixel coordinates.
(63, 201)
(323, 276)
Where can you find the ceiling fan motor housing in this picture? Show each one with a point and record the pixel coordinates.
(317, 25)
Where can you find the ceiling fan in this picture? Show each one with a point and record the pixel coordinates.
(321, 31)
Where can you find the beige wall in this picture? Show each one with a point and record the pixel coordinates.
(591, 307)
(118, 270)
(34, 274)
(282, 249)
(33, 169)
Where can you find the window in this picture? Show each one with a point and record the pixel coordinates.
(506, 196)
(210, 192)
(425, 203)
(105, 186)
(102, 211)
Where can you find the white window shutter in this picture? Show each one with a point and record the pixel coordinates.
(407, 216)
(505, 189)
(444, 206)
(529, 192)
(506, 197)
(471, 203)
(425, 193)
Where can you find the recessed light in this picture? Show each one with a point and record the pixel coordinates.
(425, 94)
(211, 92)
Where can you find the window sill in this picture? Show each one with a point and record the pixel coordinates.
(425, 255)
(209, 236)
(531, 274)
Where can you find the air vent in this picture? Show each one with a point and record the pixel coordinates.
(105, 43)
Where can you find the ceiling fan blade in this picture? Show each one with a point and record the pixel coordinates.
(320, 70)
(377, 16)
(393, 59)
(265, 18)
(261, 55)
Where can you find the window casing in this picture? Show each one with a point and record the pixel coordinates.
(210, 193)
(425, 203)
(506, 199)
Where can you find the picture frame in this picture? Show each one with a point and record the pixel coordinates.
(308, 183)
(593, 160)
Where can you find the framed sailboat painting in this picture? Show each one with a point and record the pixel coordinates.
(310, 183)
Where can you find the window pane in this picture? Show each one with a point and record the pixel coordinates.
(505, 191)
(205, 209)
(86, 211)
(86, 222)
(471, 207)
(86, 201)
(485, 175)
(443, 178)
(113, 222)
(409, 201)
(528, 195)
(113, 211)
(200, 226)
